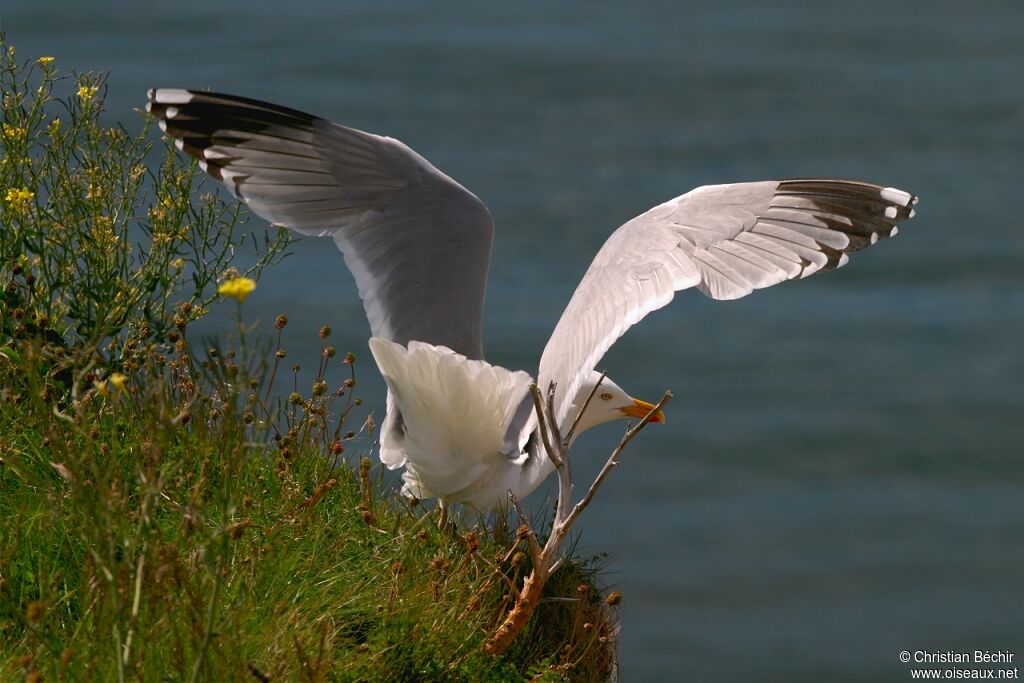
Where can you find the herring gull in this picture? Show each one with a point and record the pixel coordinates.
(419, 245)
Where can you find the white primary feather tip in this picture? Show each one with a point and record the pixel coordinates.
(170, 96)
(891, 194)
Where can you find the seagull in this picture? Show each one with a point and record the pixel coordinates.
(419, 245)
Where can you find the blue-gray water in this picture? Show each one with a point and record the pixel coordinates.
(840, 477)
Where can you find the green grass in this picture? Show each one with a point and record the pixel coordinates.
(133, 546)
(162, 518)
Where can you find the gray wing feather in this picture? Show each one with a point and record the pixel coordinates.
(725, 240)
(417, 242)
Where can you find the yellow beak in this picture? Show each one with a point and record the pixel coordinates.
(640, 409)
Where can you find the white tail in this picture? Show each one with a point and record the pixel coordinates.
(454, 413)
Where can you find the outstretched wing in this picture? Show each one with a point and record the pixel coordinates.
(725, 240)
(417, 242)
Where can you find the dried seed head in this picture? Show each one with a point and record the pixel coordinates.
(325, 331)
(350, 358)
(35, 611)
(295, 398)
(614, 598)
(328, 352)
(280, 353)
(281, 321)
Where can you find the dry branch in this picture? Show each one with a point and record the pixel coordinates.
(546, 560)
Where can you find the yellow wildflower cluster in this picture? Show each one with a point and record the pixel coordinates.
(19, 199)
(53, 127)
(238, 288)
(160, 211)
(116, 380)
(14, 133)
(87, 92)
(44, 61)
(103, 232)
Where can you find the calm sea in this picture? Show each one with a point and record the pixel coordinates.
(840, 478)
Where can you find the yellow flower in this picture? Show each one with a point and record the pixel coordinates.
(19, 199)
(45, 61)
(53, 127)
(87, 92)
(14, 133)
(117, 380)
(178, 264)
(101, 387)
(238, 288)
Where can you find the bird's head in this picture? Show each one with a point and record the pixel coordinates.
(609, 403)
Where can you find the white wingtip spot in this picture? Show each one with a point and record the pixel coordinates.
(179, 143)
(911, 214)
(149, 107)
(891, 194)
(172, 112)
(890, 211)
(874, 237)
(162, 124)
(895, 231)
(203, 165)
(843, 260)
(214, 153)
(171, 96)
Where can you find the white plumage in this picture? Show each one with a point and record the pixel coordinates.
(419, 244)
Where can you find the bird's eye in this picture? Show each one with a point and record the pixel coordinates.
(606, 396)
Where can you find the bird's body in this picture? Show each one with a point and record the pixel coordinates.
(419, 244)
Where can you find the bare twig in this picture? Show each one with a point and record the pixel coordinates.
(583, 409)
(531, 536)
(546, 560)
(542, 420)
(556, 433)
(613, 459)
